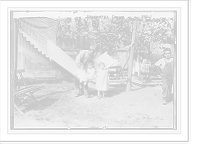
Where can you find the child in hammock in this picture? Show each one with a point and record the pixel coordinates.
(102, 80)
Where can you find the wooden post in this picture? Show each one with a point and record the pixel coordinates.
(130, 64)
(86, 28)
(99, 33)
(15, 47)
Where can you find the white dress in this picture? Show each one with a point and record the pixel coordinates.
(102, 80)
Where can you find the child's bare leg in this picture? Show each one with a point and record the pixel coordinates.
(86, 92)
(78, 87)
(82, 87)
(99, 94)
(103, 94)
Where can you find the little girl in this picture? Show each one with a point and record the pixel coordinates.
(90, 72)
(102, 80)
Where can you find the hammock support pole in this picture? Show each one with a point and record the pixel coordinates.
(130, 64)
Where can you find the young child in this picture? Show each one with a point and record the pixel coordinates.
(90, 72)
(166, 64)
(102, 80)
(82, 83)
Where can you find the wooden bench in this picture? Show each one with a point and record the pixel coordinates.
(21, 89)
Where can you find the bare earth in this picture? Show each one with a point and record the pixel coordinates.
(58, 107)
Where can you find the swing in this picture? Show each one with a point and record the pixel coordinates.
(145, 73)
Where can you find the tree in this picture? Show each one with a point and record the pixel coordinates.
(157, 30)
(114, 33)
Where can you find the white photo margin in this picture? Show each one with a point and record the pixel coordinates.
(181, 134)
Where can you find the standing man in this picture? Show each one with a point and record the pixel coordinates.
(83, 58)
(166, 65)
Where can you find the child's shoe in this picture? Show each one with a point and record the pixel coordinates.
(87, 95)
(165, 101)
(98, 96)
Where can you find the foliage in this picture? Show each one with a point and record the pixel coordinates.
(155, 30)
(112, 33)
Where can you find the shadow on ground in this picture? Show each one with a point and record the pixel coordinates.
(40, 104)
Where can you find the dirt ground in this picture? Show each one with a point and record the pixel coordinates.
(57, 106)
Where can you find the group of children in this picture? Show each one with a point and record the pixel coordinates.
(99, 74)
(90, 73)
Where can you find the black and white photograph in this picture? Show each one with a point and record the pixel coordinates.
(93, 69)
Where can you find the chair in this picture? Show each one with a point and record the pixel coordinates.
(21, 89)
